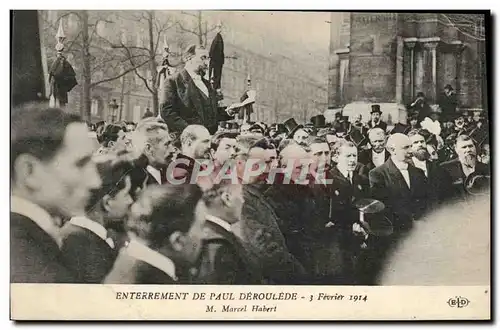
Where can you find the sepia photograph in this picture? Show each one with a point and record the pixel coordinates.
(271, 165)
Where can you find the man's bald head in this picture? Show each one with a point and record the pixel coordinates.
(377, 139)
(399, 146)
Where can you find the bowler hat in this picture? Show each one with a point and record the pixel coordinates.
(318, 121)
(376, 108)
(291, 127)
(477, 184)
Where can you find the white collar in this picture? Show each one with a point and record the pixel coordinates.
(419, 163)
(155, 173)
(94, 227)
(344, 172)
(224, 224)
(193, 74)
(378, 154)
(402, 166)
(198, 81)
(37, 214)
(141, 252)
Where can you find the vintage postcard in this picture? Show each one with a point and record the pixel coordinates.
(250, 165)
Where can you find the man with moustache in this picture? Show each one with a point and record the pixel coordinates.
(399, 185)
(466, 165)
(376, 121)
(189, 98)
(223, 147)
(338, 236)
(433, 172)
(377, 155)
(52, 175)
(403, 189)
(195, 141)
(153, 139)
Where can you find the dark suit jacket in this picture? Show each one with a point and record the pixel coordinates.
(366, 159)
(455, 178)
(438, 185)
(381, 124)
(185, 104)
(86, 254)
(224, 260)
(402, 128)
(263, 240)
(34, 256)
(402, 204)
(129, 270)
(344, 194)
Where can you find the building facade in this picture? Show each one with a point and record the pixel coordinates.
(290, 81)
(389, 57)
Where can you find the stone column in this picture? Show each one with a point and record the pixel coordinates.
(399, 70)
(431, 44)
(410, 44)
(459, 48)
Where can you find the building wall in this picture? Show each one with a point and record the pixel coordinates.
(373, 59)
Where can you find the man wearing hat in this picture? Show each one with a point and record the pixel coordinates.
(448, 103)
(296, 131)
(376, 120)
(318, 121)
(188, 96)
(341, 125)
(459, 170)
(420, 106)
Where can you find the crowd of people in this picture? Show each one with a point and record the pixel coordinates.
(198, 194)
(326, 203)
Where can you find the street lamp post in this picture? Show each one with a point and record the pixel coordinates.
(113, 106)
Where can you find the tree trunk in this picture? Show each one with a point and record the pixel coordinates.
(152, 62)
(122, 94)
(86, 66)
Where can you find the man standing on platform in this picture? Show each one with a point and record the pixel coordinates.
(188, 96)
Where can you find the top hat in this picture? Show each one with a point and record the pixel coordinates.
(376, 108)
(477, 184)
(372, 219)
(318, 121)
(229, 126)
(291, 127)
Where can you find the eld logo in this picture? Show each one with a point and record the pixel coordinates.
(458, 302)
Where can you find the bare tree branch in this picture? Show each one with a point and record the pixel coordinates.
(118, 76)
(144, 80)
(187, 30)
